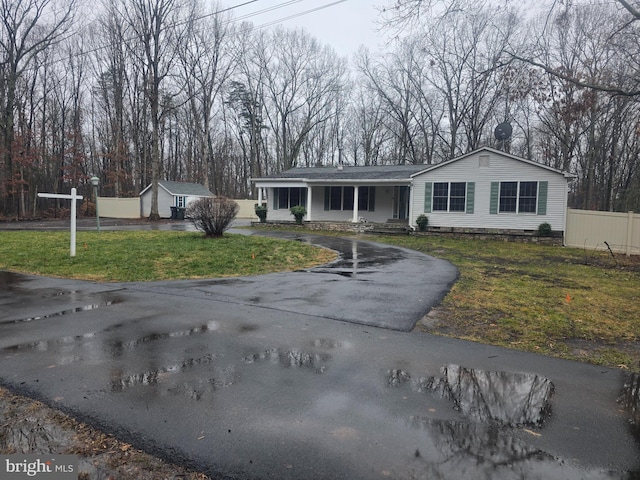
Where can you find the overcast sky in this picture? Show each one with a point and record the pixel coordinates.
(344, 25)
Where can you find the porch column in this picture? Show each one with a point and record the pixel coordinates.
(410, 200)
(355, 204)
(309, 203)
(259, 195)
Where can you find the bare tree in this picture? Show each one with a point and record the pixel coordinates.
(302, 81)
(112, 155)
(27, 28)
(158, 27)
(207, 61)
(366, 126)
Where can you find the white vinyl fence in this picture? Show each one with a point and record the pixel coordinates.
(595, 230)
(112, 207)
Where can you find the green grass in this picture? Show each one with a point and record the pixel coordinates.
(558, 301)
(151, 255)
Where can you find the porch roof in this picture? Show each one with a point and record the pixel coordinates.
(373, 173)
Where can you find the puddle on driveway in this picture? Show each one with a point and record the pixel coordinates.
(487, 443)
(291, 358)
(461, 450)
(9, 280)
(118, 346)
(510, 399)
(326, 343)
(121, 381)
(83, 308)
(630, 401)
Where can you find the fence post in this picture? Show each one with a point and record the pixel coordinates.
(629, 232)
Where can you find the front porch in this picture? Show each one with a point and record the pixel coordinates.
(354, 203)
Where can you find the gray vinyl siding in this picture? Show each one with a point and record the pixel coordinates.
(551, 184)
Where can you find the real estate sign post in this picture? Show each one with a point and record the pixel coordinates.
(73, 197)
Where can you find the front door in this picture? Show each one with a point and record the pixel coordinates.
(400, 203)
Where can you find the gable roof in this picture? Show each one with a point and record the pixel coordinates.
(381, 173)
(353, 173)
(495, 152)
(182, 188)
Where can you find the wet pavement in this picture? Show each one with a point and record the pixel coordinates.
(313, 375)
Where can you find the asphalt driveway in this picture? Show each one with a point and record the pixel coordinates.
(310, 374)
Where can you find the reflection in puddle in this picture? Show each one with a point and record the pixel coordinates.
(291, 358)
(484, 442)
(120, 381)
(45, 345)
(83, 308)
(62, 294)
(118, 346)
(458, 449)
(326, 343)
(509, 398)
(195, 389)
(630, 400)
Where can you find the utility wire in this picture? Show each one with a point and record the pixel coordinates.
(300, 14)
(232, 20)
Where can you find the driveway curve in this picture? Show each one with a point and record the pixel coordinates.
(369, 284)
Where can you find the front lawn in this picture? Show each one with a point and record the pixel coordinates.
(127, 256)
(569, 303)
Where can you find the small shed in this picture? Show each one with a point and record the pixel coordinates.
(172, 194)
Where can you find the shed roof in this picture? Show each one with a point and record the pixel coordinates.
(182, 188)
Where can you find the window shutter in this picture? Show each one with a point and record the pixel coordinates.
(471, 191)
(495, 191)
(327, 198)
(372, 199)
(428, 188)
(543, 188)
(276, 198)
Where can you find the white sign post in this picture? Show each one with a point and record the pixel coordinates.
(73, 197)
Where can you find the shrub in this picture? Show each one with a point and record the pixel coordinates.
(261, 212)
(212, 215)
(422, 221)
(298, 212)
(544, 230)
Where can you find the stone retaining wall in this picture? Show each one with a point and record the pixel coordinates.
(517, 236)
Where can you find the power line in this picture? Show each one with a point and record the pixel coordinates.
(300, 14)
(266, 10)
(232, 20)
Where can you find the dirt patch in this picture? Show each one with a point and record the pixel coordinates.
(28, 426)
